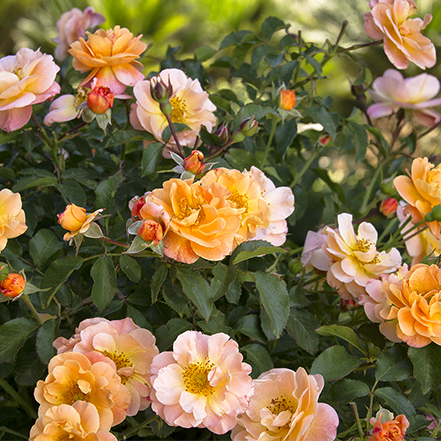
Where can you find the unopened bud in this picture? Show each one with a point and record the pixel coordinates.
(160, 91)
(100, 99)
(249, 126)
(324, 140)
(387, 187)
(13, 285)
(194, 162)
(388, 206)
(137, 205)
(150, 231)
(287, 99)
(238, 136)
(436, 211)
(72, 218)
(223, 133)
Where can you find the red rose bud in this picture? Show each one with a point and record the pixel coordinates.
(160, 91)
(324, 140)
(287, 99)
(13, 285)
(389, 206)
(249, 126)
(137, 207)
(194, 162)
(100, 99)
(223, 133)
(150, 231)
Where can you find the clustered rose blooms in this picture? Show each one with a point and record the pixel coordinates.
(12, 217)
(211, 217)
(403, 41)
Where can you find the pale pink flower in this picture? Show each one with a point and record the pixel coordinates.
(26, 78)
(190, 106)
(403, 41)
(392, 92)
(79, 422)
(313, 254)
(64, 108)
(131, 350)
(355, 259)
(72, 25)
(285, 407)
(202, 383)
(12, 217)
(280, 201)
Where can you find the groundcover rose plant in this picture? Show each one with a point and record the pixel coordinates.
(185, 260)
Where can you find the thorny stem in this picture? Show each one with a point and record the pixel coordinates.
(32, 308)
(220, 150)
(66, 134)
(358, 46)
(18, 398)
(357, 419)
(175, 136)
(132, 430)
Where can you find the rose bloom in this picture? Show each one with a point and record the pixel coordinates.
(12, 217)
(414, 305)
(190, 106)
(129, 348)
(203, 223)
(285, 407)
(246, 195)
(392, 92)
(355, 259)
(13, 285)
(72, 25)
(111, 56)
(422, 191)
(157, 218)
(403, 41)
(72, 377)
(388, 428)
(202, 383)
(76, 220)
(79, 422)
(313, 254)
(26, 78)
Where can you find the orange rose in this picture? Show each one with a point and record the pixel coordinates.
(391, 430)
(13, 285)
(12, 217)
(100, 99)
(150, 230)
(76, 220)
(422, 191)
(194, 162)
(287, 99)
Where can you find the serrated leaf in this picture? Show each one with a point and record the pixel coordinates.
(32, 182)
(233, 38)
(250, 326)
(224, 277)
(241, 159)
(260, 251)
(158, 279)
(284, 136)
(42, 246)
(119, 137)
(334, 363)
(138, 244)
(105, 192)
(13, 335)
(274, 299)
(166, 334)
(329, 120)
(336, 188)
(204, 53)
(301, 327)
(45, 337)
(344, 333)
(393, 365)
(104, 278)
(174, 298)
(426, 366)
(396, 401)
(344, 391)
(130, 267)
(259, 359)
(250, 246)
(271, 25)
(197, 290)
(56, 275)
(29, 369)
(72, 192)
(151, 157)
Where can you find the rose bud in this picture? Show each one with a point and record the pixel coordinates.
(249, 126)
(287, 99)
(223, 133)
(193, 163)
(13, 285)
(100, 99)
(388, 206)
(137, 205)
(72, 218)
(150, 230)
(324, 140)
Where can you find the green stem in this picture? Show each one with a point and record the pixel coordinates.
(114, 242)
(304, 169)
(18, 398)
(370, 189)
(32, 308)
(175, 136)
(359, 46)
(270, 140)
(357, 419)
(132, 430)
(12, 432)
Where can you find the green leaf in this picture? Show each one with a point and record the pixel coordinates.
(32, 182)
(256, 251)
(397, 401)
(393, 365)
(42, 246)
(250, 325)
(344, 391)
(197, 290)
(151, 157)
(13, 335)
(204, 53)
(284, 136)
(138, 317)
(166, 334)
(344, 333)
(105, 192)
(158, 279)
(329, 120)
(28, 367)
(426, 366)
(301, 327)
(119, 137)
(138, 244)
(259, 53)
(45, 337)
(175, 298)
(241, 159)
(259, 359)
(359, 140)
(274, 299)
(104, 278)
(56, 275)
(130, 267)
(271, 25)
(338, 189)
(179, 127)
(72, 192)
(233, 38)
(316, 65)
(334, 363)
(250, 247)
(224, 276)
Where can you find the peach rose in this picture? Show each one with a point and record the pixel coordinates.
(402, 37)
(285, 407)
(72, 25)
(79, 422)
(203, 222)
(190, 106)
(76, 220)
(287, 99)
(72, 377)
(414, 305)
(202, 383)
(12, 217)
(422, 191)
(13, 285)
(26, 78)
(355, 259)
(388, 428)
(111, 56)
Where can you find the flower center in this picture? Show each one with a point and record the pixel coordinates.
(196, 377)
(74, 394)
(363, 245)
(119, 358)
(280, 404)
(240, 200)
(178, 109)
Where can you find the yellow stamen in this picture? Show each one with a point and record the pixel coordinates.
(178, 109)
(196, 378)
(279, 404)
(74, 394)
(119, 358)
(363, 245)
(240, 200)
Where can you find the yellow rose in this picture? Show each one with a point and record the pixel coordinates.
(12, 217)
(76, 220)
